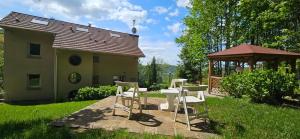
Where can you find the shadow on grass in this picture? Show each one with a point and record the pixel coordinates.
(32, 129)
(41, 102)
(218, 128)
(30, 103)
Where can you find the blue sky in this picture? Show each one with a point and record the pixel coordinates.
(158, 22)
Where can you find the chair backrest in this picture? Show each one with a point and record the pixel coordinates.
(176, 82)
(121, 86)
(199, 89)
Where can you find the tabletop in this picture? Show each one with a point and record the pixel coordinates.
(140, 90)
(170, 91)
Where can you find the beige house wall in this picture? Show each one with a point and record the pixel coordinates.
(115, 65)
(85, 69)
(18, 64)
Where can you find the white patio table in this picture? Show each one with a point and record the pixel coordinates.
(171, 94)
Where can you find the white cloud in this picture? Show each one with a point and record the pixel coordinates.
(174, 28)
(167, 18)
(174, 13)
(151, 21)
(97, 10)
(160, 10)
(184, 3)
(166, 50)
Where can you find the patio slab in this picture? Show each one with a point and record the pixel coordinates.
(152, 120)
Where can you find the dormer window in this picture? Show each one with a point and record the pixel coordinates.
(115, 35)
(82, 29)
(39, 21)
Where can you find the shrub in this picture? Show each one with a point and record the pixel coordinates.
(236, 85)
(89, 93)
(164, 86)
(155, 87)
(260, 85)
(268, 85)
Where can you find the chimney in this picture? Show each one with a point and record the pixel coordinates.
(72, 29)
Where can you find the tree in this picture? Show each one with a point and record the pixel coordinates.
(214, 25)
(153, 72)
(157, 67)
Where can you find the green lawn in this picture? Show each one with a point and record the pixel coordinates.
(31, 121)
(156, 94)
(238, 118)
(230, 118)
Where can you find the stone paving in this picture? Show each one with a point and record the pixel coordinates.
(152, 120)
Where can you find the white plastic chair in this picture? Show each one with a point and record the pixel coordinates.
(191, 101)
(129, 96)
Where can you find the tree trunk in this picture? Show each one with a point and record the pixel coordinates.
(200, 74)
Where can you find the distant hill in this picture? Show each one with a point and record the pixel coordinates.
(167, 68)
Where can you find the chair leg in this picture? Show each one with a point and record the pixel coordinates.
(123, 102)
(145, 101)
(187, 116)
(206, 113)
(176, 110)
(114, 106)
(130, 107)
(140, 104)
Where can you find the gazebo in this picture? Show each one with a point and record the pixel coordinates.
(249, 54)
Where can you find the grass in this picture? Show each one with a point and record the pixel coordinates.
(229, 117)
(31, 121)
(238, 118)
(156, 94)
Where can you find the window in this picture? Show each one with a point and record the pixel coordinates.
(75, 60)
(39, 21)
(34, 81)
(114, 35)
(34, 49)
(82, 29)
(96, 59)
(74, 78)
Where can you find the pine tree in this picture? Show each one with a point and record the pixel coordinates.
(153, 72)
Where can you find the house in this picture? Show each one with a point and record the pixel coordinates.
(47, 59)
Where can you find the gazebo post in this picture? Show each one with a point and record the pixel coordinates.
(293, 65)
(275, 64)
(251, 64)
(210, 68)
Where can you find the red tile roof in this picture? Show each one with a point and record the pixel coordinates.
(68, 37)
(246, 49)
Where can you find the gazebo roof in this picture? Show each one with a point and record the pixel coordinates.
(246, 51)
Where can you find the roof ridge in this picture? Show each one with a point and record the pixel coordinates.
(73, 23)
